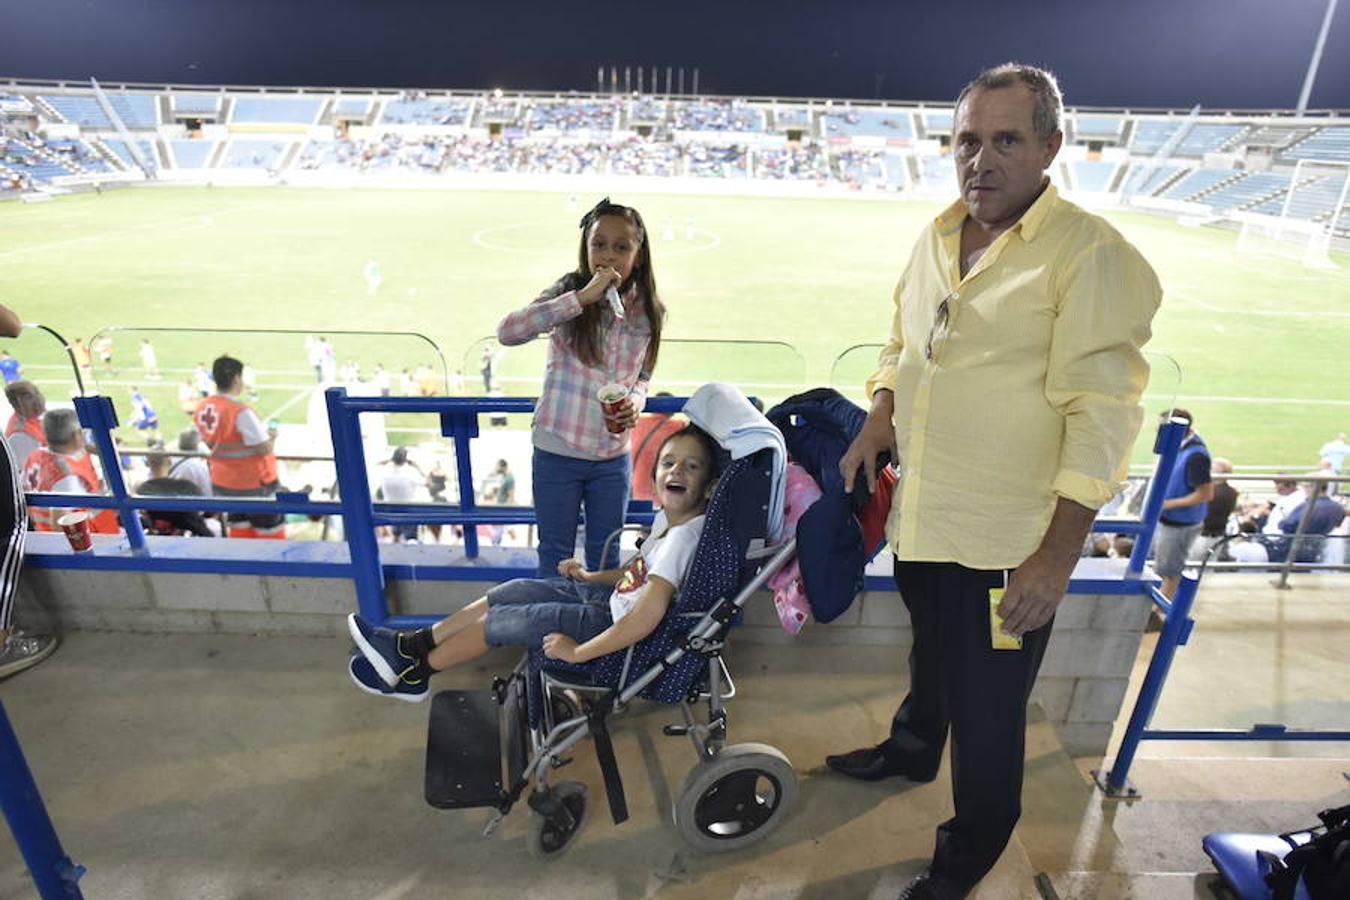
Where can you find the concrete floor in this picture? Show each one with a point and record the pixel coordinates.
(221, 766)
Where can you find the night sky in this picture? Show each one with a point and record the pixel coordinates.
(1139, 53)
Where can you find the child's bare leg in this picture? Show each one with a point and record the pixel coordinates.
(456, 622)
(464, 645)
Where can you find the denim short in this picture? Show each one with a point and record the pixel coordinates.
(1171, 544)
(522, 611)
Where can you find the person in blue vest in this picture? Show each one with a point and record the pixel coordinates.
(1189, 490)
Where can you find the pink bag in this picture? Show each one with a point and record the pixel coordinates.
(789, 596)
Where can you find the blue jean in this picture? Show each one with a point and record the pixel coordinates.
(521, 611)
(564, 485)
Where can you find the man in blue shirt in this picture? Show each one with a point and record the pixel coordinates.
(1323, 518)
(1189, 490)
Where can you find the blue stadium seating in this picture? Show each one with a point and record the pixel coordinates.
(644, 157)
(787, 163)
(859, 166)
(1249, 190)
(1196, 183)
(1316, 198)
(573, 115)
(938, 172)
(135, 110)
(352, 106)
(424, 112)
(207, 104)
(276, 110)
(717, 115)
(1151, 134)
(1093, 175)
(1207, 138)
(796, 117)
(1098, 126)
(1332, 144)
(885, 123)
(253, 154)
(647, 111)
(191, 154)
(718, 160)
(1143, 181)
(937, 122)
(897, 171)
(120, 149)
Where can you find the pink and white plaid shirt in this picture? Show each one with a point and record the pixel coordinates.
(568, 407)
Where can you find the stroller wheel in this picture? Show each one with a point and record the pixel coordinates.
(736, 798)
(548, 837)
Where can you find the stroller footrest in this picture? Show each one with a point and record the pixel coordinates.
(464, 751)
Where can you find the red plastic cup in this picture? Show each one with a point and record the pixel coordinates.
(76, 527)
(612, 399)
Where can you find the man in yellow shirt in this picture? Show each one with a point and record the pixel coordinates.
(1008, 394)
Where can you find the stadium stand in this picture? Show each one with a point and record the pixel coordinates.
(1249, 190)
(717, 115)
(1208, 138)
(253, 154)
(884, 123)
(1197, 183)
(497, 109)
(937, 172)
(135, 110)
(644, 157)
(1103, 128)
(571, 115)
(718, 160)
(803, 161)
(1145, 180)
(123, 153)
(1093, 175)
(204, 104)
(276, 110)
(1331, 144)
(897, 172)
(191, 154)
(1151, 134)
(646, 111)
(859, 167)
(794, 117)
(419, 112)
(1313, 199)
(937, 122)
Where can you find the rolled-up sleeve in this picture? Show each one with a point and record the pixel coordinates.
(888, 362)
(1097, 372)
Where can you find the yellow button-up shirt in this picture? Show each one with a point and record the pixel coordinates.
(1025, 388)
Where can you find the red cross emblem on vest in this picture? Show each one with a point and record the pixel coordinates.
(208, 419)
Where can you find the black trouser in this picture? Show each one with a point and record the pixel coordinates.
(957, 679)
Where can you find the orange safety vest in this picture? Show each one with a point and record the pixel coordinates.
(45, 467)
(31, 426)
(233, 463)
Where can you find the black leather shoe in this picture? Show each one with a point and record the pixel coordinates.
(928, 886)
(870, 764)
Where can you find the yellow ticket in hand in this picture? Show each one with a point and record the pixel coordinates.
(997, 639)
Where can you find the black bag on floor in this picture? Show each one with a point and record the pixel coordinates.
(1323, 862)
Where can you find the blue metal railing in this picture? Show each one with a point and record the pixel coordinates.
(54, 875)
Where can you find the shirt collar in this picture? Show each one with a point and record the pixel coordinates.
(1030, 225)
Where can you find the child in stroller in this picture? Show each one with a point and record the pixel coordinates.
(576, 617)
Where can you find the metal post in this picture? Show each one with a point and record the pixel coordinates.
(1166, 445)
(1283, 582)
(358, 522)
(54, 875)
(1175, 632)
(97, 414)
(463, 427)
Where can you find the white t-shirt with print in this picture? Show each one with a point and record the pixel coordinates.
(667, 553)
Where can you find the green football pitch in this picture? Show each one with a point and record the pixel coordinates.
(773, 294)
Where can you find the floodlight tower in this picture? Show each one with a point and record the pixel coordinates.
(1316, 57)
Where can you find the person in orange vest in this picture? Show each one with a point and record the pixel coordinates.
(18, 649)
(242, 462)
(64, 466)
(23, 431)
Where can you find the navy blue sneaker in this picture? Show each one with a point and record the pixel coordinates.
(368, 680)
(384, 647)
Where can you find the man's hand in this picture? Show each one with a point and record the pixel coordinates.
(877, 437)
(573, 569)
(561, 646)
(1034, 592)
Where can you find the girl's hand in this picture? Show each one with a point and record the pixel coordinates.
(594, 291)
(573, 569)
(560, 646)
(626, 416)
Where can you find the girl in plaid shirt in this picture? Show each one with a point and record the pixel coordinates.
(578, 461)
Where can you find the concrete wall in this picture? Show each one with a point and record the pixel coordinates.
(1081, 686)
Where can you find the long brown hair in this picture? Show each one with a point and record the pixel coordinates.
(584, 332)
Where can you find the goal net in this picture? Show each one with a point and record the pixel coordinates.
(1303, 223)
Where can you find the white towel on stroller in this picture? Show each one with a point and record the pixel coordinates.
(724, 412)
